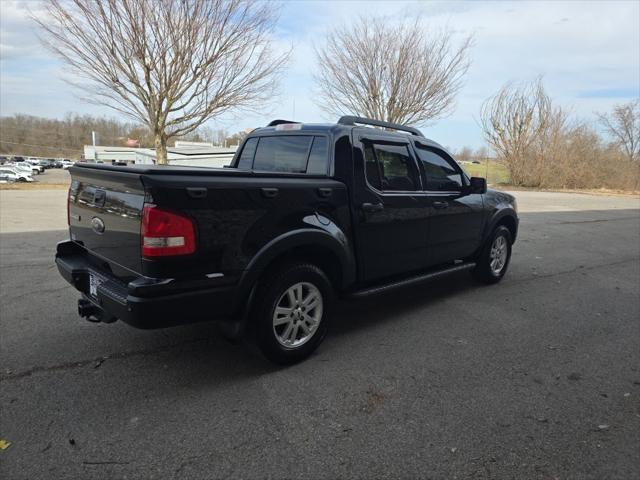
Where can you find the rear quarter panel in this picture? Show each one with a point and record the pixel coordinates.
(235, 220)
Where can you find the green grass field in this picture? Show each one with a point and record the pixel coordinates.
(494, 172)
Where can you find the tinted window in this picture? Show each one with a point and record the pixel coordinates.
(282, 154)
(395, 168)
(441, 174)
(371, 167)
(318, 157)
(249, 149)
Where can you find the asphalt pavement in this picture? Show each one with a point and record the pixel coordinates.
(536, 377)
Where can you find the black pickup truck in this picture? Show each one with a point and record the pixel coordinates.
(305, 213)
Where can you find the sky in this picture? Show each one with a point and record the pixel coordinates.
(588, 53)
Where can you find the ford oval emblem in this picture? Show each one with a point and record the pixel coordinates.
(97, 224)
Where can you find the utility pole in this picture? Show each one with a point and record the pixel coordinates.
(93, 138)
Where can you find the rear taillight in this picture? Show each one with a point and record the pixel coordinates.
(166, 233)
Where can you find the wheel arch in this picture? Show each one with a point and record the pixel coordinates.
(506, 217)
(331, 253)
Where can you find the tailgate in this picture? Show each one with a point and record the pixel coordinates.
(105, 210)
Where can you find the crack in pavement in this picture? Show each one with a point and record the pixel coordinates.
(101, 359)
(28, 265)
(50, 290)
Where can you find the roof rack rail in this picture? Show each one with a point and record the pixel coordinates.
(273, 123)
(351, 120)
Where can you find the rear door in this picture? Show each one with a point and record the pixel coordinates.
(455, 217)
(389, 209)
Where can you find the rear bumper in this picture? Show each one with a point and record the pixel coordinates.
(144, 302)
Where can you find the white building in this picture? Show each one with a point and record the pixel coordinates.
(194, 154)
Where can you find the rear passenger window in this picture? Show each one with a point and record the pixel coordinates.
(248, 151)
(318, 157)
(282, 153)
(393, 166)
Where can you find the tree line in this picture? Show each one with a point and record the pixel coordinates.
(45, 137)
(65, 138)
(542, 146)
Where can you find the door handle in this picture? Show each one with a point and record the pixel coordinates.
(325, 192)
(372, 207)
(270, 192)
(440, 205)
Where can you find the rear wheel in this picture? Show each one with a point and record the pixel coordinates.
(493, 261)
(291, 312)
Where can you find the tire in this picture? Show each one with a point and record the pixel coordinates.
(280, 334)
(493, 260)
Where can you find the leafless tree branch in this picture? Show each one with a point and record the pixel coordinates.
(624, 126)
(170, 64)
(397, 73)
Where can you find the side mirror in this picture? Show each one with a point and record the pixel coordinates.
(477, 185)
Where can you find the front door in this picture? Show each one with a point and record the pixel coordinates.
(389, 210)
(455, 216)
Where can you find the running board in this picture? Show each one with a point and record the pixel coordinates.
(410, 281)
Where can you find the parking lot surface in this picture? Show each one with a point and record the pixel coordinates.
(536, 377)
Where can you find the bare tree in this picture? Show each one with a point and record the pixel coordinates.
(397, 73)
(169, 64)
(219, 136)
(512, 120)
(624, 127)
(465, 154)
(542, 147)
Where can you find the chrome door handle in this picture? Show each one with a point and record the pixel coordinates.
(440, 204)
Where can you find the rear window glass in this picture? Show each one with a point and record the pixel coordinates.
(282, 153)
(246, 157)
(318, 157)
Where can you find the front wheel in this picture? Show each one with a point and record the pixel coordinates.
(493, 261)
(292, 312)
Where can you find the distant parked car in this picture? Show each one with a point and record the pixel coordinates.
(14, 175)
(36, 165)
(7, 176)
(27, 167)
(66, 164)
